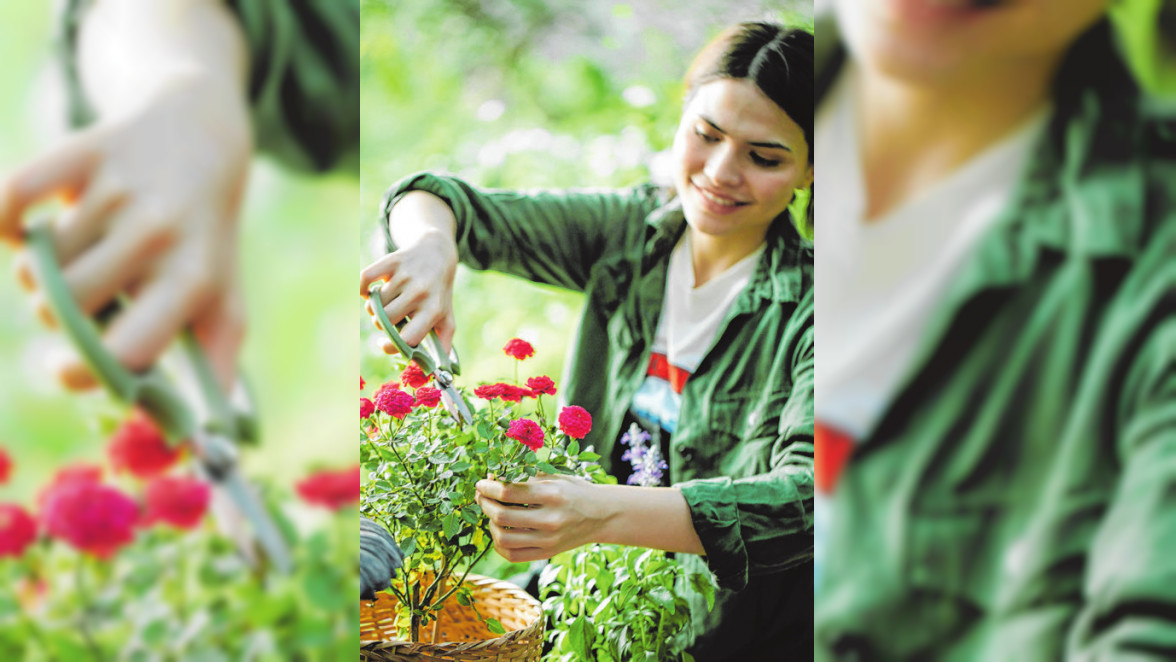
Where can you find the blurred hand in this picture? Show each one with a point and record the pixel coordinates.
(547, 515)
(154, 193)
(418, 278)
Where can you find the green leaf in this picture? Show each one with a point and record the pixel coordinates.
(450, 525)
(494, 626)
(589, 456)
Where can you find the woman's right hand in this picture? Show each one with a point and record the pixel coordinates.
(418, 278)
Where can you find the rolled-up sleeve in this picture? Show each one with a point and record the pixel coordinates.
(550, 237)
(763, 523)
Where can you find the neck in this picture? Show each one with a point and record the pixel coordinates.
(915, 133)
(712, 255)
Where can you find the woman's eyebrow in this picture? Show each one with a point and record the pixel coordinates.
(768, 145)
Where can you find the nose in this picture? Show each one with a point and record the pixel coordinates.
(722, 167)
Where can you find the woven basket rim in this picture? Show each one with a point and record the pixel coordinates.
(535, 628)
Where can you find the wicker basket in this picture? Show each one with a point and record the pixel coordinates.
(460, 635)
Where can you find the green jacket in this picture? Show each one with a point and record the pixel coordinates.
(303, 79)
(1018, 499)
(742, 453)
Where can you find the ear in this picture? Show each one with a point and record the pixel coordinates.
(808, 178)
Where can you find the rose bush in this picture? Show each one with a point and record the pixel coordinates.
(422, 467)
(124, 562)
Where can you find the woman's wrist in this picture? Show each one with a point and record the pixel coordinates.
(655, 517)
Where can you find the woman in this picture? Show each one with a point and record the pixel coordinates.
(997, 328)
(698, 323)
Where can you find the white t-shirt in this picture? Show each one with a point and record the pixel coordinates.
(877, 284)
(689, 322)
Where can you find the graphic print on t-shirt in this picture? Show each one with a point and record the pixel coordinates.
(690, 320)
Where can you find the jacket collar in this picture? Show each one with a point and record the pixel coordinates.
(1084, 193)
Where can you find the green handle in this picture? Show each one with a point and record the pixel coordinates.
(149, 390)
(428, 364)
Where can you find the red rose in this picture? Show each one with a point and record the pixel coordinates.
(541, 384)
(526, 432)
(331, 489)
(393, 402)
(575, 421)
(366, 408)
(74, 473)
(413, 376)
(139, 448)
(5, 466)
(91, 517)
(512, 393)
(18, 530)
(361, 383)
(488, 391)
(427, 396)
(177, 500)
(519, 349)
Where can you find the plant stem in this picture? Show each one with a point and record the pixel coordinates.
(87, 607)
(416, 615)
(461, 581)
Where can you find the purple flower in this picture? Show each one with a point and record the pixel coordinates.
(646, 461)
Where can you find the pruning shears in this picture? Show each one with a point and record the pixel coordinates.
(214, 427)
(440, 364)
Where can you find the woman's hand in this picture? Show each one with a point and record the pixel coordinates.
(547, 515)
(550, 514)
(418, 278)
(155, 192)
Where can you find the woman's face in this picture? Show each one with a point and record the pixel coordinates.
(928, 39)
(738, 158)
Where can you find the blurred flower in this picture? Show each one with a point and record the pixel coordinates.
(413, 375)
(91, 517)
(18, 530)
(176, 500)
(361, 382)
(427, 396)
(392, 401)
(73, 473)
(139, 448)
(5, 466)
(366, 408)
(541, 384)
(526, 432)
(575, 421)
(488, 391)
(512, 393)
(519, 349)
(331, 489)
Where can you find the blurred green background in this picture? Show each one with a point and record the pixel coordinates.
(298, 238)
(524, 94)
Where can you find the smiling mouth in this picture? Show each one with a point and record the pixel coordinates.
(718, 200)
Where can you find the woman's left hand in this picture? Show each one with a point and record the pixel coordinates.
(547, 515)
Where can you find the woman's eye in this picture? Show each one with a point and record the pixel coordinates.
(762, 162)
(706, 138)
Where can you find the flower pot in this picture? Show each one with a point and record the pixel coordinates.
(461, 636)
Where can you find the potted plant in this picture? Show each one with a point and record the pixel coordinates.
(422, 467)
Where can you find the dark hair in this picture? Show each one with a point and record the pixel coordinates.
(779, 60)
